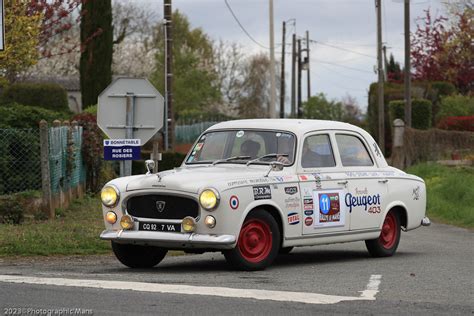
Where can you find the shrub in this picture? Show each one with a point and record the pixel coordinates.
(420, 112)
(46, 95)
(19, 164)
(11, 210)
(456, 105)
(443, 88)
(23, 116)
(457, 123)
(92, 149)
(170, 161)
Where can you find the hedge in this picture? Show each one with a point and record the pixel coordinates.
(46, 95)
(456, 105)
(420, 112)
(22, 116)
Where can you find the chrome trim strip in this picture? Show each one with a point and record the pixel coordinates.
(341, 233)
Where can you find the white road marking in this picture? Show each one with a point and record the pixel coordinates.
(282, 296)
(372, 288)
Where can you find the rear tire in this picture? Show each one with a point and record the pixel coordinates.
(135, 256)
(258, 244)
(387, 243)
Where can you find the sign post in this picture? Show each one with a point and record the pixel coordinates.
(138, 121)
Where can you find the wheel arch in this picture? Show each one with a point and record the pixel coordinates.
(401, 210)
(273, 210)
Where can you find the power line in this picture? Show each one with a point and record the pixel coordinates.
(243, 28)
(341, 48)
(342, 66)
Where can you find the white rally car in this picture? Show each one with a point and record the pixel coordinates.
(256, 188)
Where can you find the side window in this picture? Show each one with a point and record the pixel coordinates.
(353, 152)
(317, 152)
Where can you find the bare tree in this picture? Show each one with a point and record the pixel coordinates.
(351, 112)
(229, 69)
(134, 50)
(255, 92)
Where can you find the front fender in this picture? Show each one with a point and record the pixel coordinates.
(263, 203)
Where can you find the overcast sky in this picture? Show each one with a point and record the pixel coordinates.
(348, 24)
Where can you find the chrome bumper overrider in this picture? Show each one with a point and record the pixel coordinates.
(425, 221)
(170, 240)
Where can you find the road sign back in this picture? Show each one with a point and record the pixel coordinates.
(144, 102)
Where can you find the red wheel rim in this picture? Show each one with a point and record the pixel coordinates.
(255, 240)
(389, 233)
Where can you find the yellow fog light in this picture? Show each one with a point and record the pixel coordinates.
(109, 196)
(111, 217)
(126, 222)
(209, 199)
(210, 221)
(188, 224)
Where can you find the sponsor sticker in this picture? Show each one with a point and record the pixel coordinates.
(303, 177)
(308, 204)
(329, 208)
(240, 134)
(416, 193)
(234, 202)
(291, 190)
(308, 212)
(371, 203)
(308, 221)
(262, 192)
(279, 179)
(292, 203)
(293, 218)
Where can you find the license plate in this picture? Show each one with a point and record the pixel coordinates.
(159, 227)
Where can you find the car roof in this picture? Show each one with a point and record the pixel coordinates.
(297, 126)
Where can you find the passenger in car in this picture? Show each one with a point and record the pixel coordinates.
(250, 148)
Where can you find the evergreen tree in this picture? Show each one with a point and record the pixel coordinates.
(96, 51)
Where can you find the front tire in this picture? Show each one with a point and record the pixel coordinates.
(387, 243)
(258, 244)
(135, 256)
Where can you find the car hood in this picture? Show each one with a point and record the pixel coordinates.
(192, 179)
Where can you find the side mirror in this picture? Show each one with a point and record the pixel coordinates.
(277, 166)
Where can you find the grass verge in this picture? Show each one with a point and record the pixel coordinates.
(75, 231)
(450, 193)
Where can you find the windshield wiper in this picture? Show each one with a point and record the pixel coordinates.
(265, 156)
(230, 159)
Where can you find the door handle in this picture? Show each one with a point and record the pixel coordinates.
(343, 182)
(383, 181)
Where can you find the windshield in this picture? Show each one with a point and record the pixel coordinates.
(249, 144)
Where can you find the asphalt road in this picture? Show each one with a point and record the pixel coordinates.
(432, 273)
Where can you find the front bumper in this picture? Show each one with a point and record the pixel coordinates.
(170, 240)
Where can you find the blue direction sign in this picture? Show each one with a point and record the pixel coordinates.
(122, 149)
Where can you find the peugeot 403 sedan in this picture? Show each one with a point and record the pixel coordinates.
(255, 188)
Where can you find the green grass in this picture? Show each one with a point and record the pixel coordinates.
(75, 232)
(450, 193)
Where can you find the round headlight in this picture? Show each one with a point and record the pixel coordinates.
(210, 221)
(188, 224)
(126, 222)
(111, 217)
(209, 199)
(109, 196)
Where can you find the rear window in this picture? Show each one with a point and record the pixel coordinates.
(352, 151)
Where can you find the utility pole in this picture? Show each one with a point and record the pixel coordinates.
(407, 66)
(385, 63)
(293, 77)
(169, 117)
(380, 96)
(307, 65)
(272, 109)
(300, 63)
(282, 79)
